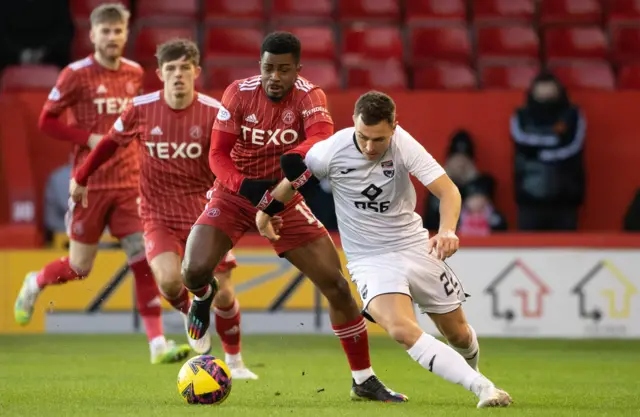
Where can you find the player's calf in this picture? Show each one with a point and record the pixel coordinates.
(460, 335)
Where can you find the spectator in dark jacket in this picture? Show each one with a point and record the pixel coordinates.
(549, 134)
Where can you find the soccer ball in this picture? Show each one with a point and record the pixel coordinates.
(204, 379)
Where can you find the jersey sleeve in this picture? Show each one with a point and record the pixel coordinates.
(126, 128)
(418, 161)
(64, 94)
(318, 158)
(229, 118)
(313, 108)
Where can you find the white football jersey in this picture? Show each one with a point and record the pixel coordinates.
(375, 200)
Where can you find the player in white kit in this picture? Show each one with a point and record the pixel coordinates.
(390, 256)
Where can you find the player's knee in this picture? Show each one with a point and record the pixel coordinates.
(169, 282)
(403, 331)
(133, 245)
(196, 273)
(337, 291)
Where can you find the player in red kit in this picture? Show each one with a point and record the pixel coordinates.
(96, 90)
(261, 119)
(172, 129)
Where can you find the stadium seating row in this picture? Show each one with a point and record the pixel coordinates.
(411, 11)
(389, 75)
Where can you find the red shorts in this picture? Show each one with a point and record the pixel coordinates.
(235, 216)
(117, 209)
(159, 239)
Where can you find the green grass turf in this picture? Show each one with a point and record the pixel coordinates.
(49, 375)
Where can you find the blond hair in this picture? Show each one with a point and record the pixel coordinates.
(110, 13)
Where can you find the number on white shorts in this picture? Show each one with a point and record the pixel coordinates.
(306, 212)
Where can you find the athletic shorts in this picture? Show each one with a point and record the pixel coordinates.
(117, 209)
(235, 216)
(412, 271)
(159, 239)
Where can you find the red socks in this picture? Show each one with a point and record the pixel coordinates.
(228, 327)
(355, 342)
(147, 298)
(58, 272)
(182, 303)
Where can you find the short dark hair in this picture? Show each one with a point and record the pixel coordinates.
(374, 107)
(109, 13)
(176, 49)
(279, 43)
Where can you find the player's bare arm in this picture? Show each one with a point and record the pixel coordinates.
(445, 242)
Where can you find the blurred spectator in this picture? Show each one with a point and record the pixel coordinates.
(56, 200)
(35, 32)
(478, 216)
(632, 216)
(462, 170)
(549, 134)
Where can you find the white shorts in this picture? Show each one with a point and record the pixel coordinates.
(427, 280)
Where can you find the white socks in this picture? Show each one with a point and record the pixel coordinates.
(362, 375)
(206, 295)
(472, 353)
(445, 362)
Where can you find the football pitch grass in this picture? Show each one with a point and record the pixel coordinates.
(110, 375)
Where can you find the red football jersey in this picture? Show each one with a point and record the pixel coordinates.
(268, 129)
(174, 163)
(96, 96)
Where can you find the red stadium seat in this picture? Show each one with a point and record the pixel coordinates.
(148, 37)
(228, 44)
(371, 43)
(575, 43)
(625, 44)
(508, 43)
(429, 44)
(81, 9)
(389, 75)
(570, 11)
(512, 11)
(624, 11)
(436, 11)
(444, 76)
(28, 77)
(590, 76)
(237, 10)
(324, 75)
(302, 11)
(508, 77)
(218, 78)
(170, 10)
(629, 77)
(381, 10)
(318, 42)
(82, 45)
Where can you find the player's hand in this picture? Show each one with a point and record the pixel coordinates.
(268, 226)
(78, 193)
(94, 139)
(444, 244)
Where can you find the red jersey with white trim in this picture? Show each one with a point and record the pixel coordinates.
(267, 129)
(96, 96)
(174, 156)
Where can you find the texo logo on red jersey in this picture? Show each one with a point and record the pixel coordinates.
(261, 137)
(111, 105)
(173, 150)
